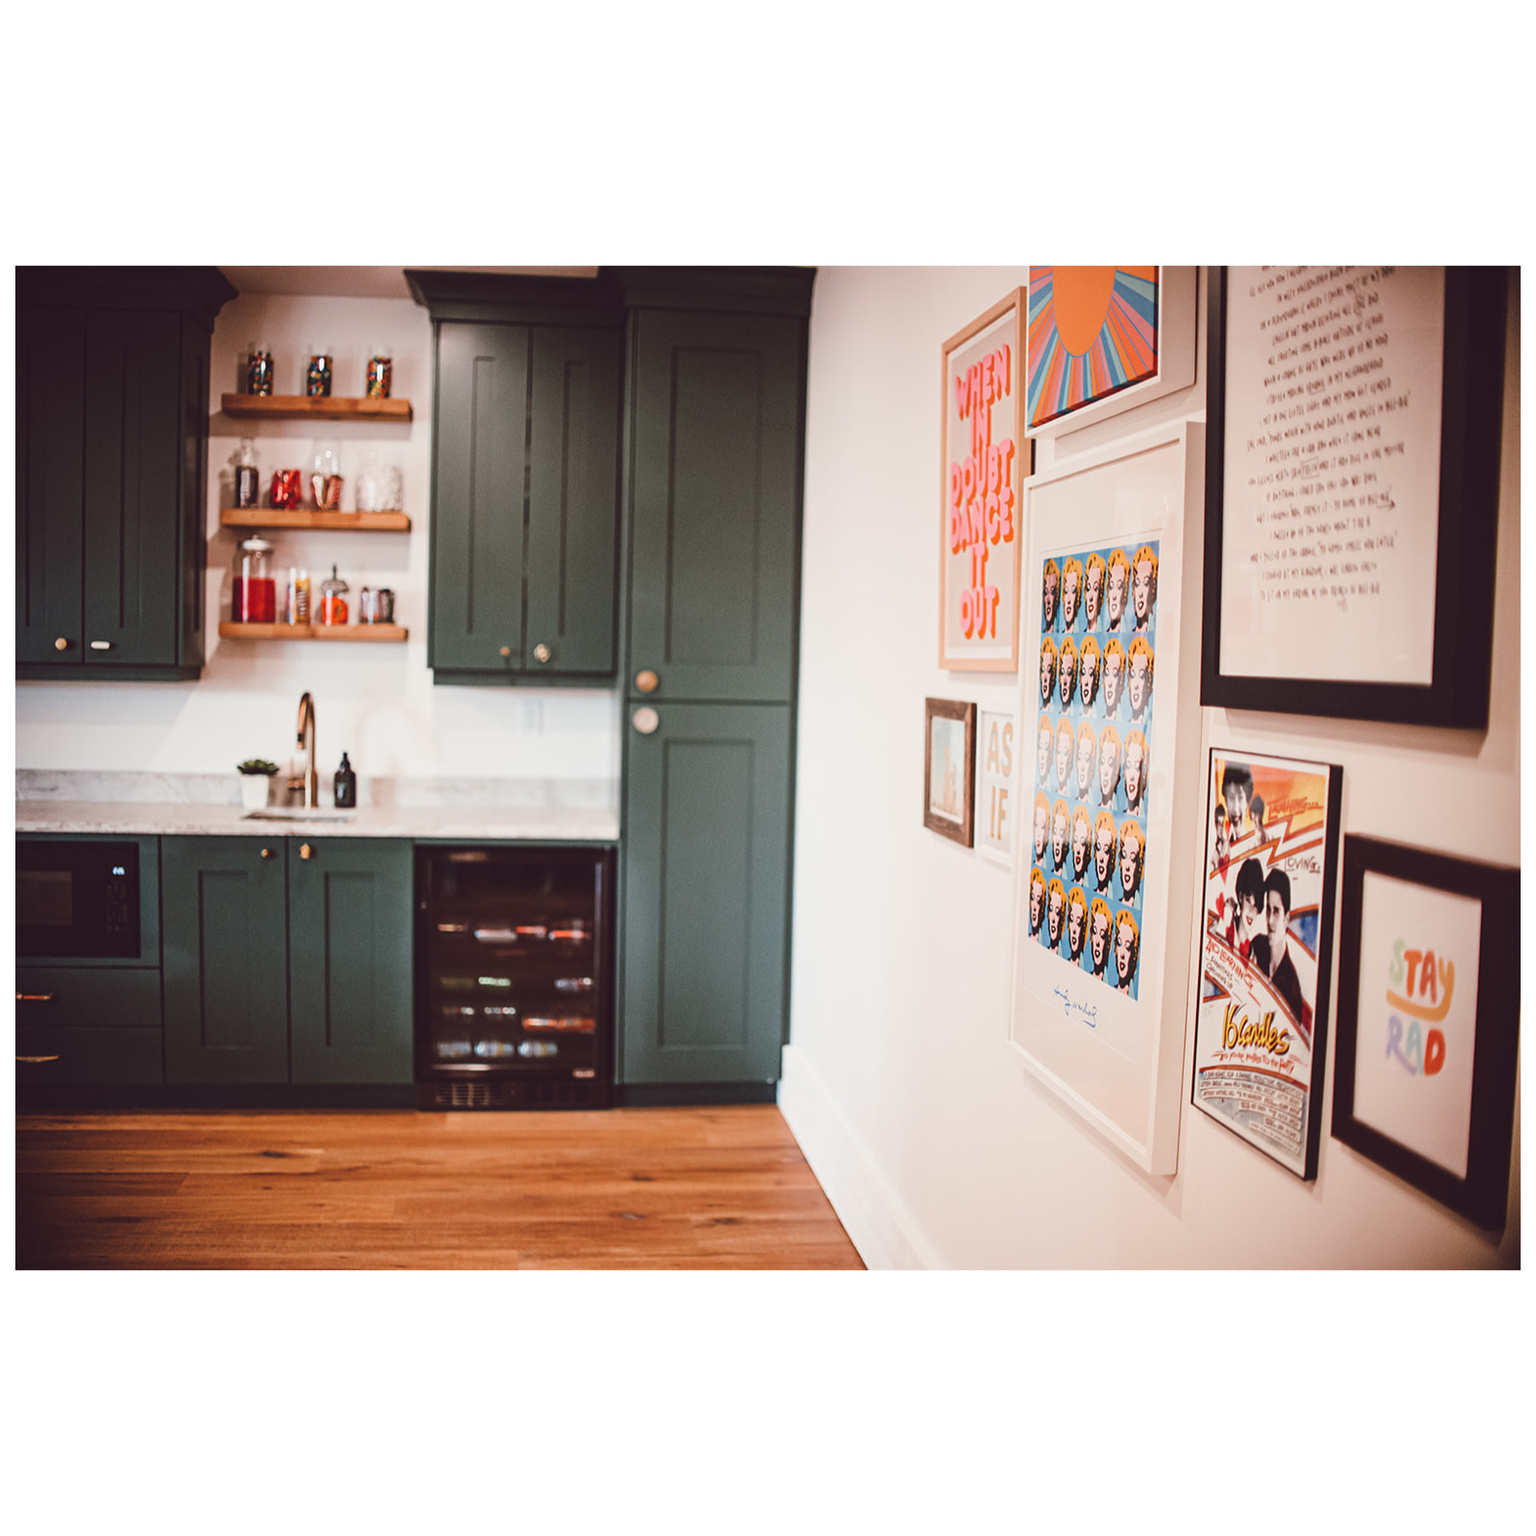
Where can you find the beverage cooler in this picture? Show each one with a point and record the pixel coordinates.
(514, 968)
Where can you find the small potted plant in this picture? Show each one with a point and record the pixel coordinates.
(255, 782)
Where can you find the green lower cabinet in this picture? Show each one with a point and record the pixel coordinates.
(287, 960)
(76, 1026)
(706, 895)
(349, 961)
(224, 922)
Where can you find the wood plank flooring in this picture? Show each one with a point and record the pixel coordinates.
(701, 1188)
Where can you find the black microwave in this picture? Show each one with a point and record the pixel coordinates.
(82, 899)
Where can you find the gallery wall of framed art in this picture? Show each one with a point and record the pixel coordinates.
(941, 1144)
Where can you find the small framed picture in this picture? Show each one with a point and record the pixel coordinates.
(1429, 1019)
(949, 768)
(1266, 950)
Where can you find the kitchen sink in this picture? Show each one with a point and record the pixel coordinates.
(298, 814)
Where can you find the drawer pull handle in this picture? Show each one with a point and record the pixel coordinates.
(35, 1059)
(304, 850)
(34, 997)
(101, 645)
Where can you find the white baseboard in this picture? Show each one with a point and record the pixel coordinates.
(872, 1214)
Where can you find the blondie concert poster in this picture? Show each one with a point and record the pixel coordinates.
(1271, 840)
(1093, 742)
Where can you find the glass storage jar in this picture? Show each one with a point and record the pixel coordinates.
(254, 594)
(333, 599)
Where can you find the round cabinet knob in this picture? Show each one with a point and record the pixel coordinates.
(645, 719)
(647, 681)
(61, 644)
(542, 653)
(304, 850)
(266, 853)
(506, 650)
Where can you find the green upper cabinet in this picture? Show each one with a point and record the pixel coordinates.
(111, 470)
(525, 478)
(717, 448)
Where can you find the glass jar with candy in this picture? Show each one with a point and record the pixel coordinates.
(380, 372)
(254, 594)
(317, 379)
(258, 369)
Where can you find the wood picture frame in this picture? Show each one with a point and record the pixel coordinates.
(986, 459)
(1102, 931)
(949, 769)
(1119, 315)
(1261, 1023)
(1322, 427)
(1434, 1105)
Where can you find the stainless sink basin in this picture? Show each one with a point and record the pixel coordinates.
(297, 813)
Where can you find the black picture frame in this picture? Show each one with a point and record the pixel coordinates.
(1483, 1195)
(1333, 800)
(1471, 430)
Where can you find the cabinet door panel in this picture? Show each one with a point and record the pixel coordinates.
(132, 487)
(479, 496)
(224, 917)
(716, 498)
(706, 895)
(50, 422)
(350, 937)
(573, 500)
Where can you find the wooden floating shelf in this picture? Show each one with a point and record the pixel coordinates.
(229, 630)
(305, 407)
(339, 522)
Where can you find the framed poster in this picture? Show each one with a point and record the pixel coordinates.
(1266, 950)
(995, 798)
(1102, 892)
(1353, 479)
(949, 768)
(1104, 339)
(985, 461)
(1429, 1019)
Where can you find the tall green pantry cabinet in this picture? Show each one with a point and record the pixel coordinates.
(715, 432)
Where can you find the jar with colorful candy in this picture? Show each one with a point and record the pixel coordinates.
(317, 379)
(258, 369)
(381, 369)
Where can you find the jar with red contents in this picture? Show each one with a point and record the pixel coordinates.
(254, 599)
(333, 599)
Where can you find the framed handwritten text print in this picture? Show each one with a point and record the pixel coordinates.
(1266, 951)
(1352, 490)
(1429, 1017)
(1109, 747)
(981, 523)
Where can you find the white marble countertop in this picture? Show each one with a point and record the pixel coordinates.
(466, 823)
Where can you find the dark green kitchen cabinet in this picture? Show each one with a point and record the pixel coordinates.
(525, 479)
(224, 926)
(349, 960)
(706, 895)
(718, 406)
(111, 470)
(287, 960)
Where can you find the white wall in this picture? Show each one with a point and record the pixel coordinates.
(376, 701)
(933, 1142)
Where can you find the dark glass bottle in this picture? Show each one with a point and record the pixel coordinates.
(346, 786)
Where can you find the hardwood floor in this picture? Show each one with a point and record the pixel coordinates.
(708, 1188)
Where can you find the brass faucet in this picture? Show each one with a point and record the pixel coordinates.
(310, 783)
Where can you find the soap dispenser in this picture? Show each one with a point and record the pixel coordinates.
(346, 786)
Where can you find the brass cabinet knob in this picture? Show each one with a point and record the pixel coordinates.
(506, 650)
(61, 644)
(266, 853)
(645, 719)
(647, 681)
(304, 850)
(542, 653)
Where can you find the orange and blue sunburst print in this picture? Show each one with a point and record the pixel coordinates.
(1092, 331)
